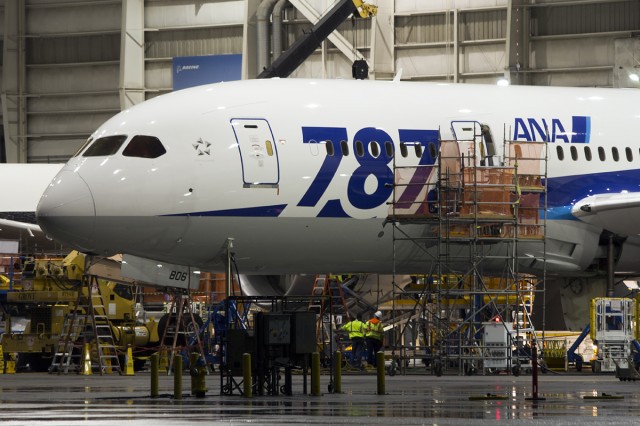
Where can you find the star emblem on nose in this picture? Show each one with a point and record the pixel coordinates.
(202, 147)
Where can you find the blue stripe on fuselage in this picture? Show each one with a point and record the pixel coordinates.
(563, 192)
(261, 211)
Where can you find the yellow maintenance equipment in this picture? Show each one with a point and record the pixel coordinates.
(48, 291)
(129, 363)
(365, 10)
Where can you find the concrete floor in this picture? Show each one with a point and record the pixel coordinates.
(35, 398)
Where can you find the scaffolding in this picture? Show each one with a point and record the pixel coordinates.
(481, 217)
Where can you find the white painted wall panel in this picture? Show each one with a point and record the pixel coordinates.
(423, 62)
(204, 41)
(61, 124)
(408, 6)
(93, 17)
(163, 14)
(40, 104)
(158, 75)
(574, 79)
(53, 151)
(337, 67)
(485, 58)
(72, 79)
(551, 54)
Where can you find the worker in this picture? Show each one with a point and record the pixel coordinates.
(374, 335)
(356, 330)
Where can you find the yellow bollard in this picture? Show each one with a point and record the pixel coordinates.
(315, 374)
(163, 366)
(2, 364)
(86, 363)
(337, 372)
(177, 377)
(129, 363)
(247, 376)
(154, 375)
(380, 370)
(10, 364)
(198, 372)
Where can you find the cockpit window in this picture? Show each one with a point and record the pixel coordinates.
(84, 145)
(108, 145)
(144, 147)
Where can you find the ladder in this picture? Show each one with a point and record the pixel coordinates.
(87, 324)
(68, 352)
(185, 321)
(330, 306)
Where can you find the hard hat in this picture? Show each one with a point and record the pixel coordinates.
(378, 314)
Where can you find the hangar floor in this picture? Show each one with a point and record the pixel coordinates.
(33, 399)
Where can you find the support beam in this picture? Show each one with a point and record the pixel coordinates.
(383, 41)
(132, 54)
(610, 267)
(14, 108)
(517, 44)
(249, 37)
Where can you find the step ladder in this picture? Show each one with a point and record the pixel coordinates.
(87, 324)
(68, 353)
(330, 306)
(182, 307)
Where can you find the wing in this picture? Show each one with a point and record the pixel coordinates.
(618, 213)
(23, 184)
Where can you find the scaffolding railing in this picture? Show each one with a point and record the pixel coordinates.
(475, 219)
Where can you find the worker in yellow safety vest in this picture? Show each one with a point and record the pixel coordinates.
(374, 337)
(356, 330)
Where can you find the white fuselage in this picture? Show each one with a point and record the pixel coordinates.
(244, 160)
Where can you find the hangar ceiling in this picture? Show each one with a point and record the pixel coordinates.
(69, 65)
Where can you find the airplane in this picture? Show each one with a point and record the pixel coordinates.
(20, 194)
(298, 174)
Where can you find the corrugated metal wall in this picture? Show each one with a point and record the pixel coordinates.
(72, 51)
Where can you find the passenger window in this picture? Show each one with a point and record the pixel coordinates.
(359, 149)
(432, 150)
(388, 148)
(329, 146)
(403, 150)
(374, 149)
(627, 150)
(587, 153)
(574, 153)
(560, 152)
(344, 148)
(149, 147)
(418, 148)
(601, 153)
(108, 145)
(614, 152)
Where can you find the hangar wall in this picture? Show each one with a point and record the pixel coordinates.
(68, 65)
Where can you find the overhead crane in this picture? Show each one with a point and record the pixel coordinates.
(303, 47)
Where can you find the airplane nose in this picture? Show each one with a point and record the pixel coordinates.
(66, 211)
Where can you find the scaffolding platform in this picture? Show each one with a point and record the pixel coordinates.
(476, 206)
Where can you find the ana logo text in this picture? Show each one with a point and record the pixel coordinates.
(576, 130)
